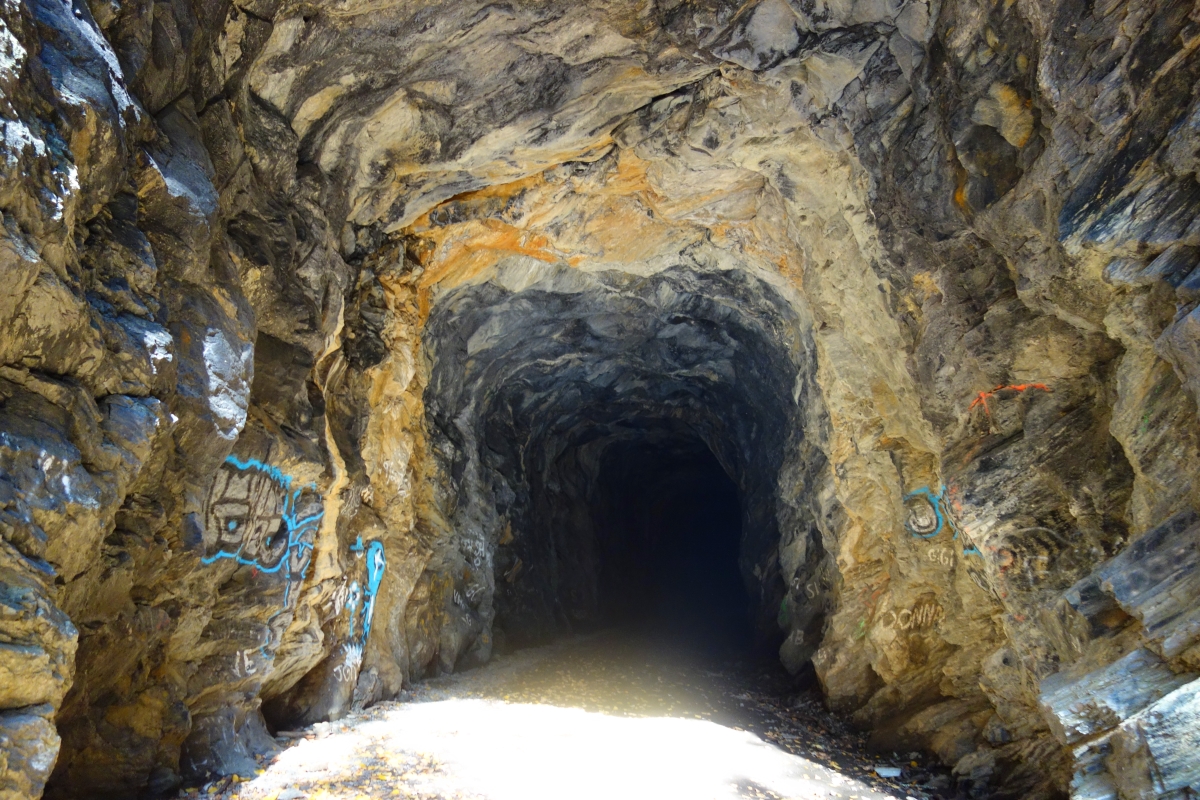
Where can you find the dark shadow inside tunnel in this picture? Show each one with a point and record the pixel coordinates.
(634, 523)
(668, 525)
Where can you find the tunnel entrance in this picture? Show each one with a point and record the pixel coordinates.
(614, 448)
(668, 526)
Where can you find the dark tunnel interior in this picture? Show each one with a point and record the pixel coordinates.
(636, 525)
(668, 525)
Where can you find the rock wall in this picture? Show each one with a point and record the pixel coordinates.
(323, 317)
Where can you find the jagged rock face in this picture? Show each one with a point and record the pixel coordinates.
(330, 331)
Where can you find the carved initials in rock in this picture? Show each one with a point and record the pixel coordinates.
(351, 662)
(922, 615)
(941, 555)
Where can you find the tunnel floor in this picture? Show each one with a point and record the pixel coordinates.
(618, 714)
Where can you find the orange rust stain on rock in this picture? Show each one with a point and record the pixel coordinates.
(631, 175)
(474, 200)
(620, 218)
(475, 247)
(623, 232)
(960, 194)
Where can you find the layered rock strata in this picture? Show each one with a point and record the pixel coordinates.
(323, 320)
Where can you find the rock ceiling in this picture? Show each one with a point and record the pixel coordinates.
(324, 319)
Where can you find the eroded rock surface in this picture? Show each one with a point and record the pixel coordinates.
(327, 325)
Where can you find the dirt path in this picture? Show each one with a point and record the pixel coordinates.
(602, 717)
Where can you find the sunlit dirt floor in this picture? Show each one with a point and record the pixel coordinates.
(612, 716)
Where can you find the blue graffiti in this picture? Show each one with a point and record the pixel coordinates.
(376, 564)
(922, 529)
(272, 472)
(263, 520)
(356, 594)
(972, 551)
(298, 528)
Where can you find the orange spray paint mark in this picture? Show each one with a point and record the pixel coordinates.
(982, 398)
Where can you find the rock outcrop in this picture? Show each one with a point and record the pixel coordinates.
(327, 324)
